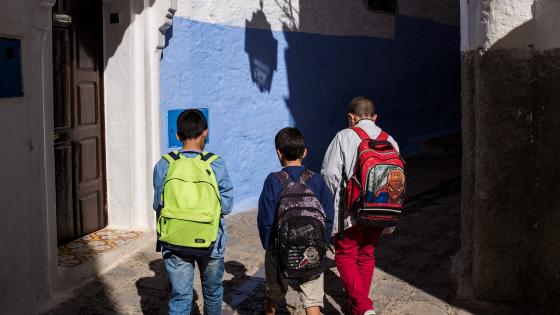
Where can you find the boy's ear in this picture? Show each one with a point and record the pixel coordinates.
(374, 118)
(351, 120)
(304, 154)
(280, 156)
(178, 137)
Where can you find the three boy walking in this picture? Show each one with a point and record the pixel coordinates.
(296, 217)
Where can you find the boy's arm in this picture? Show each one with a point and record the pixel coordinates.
(267, 211)
(333, 165)
(224, 184)
(160, 171)
(327, 202)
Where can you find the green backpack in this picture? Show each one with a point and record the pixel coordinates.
(191, 202)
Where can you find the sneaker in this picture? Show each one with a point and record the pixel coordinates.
(370, 312)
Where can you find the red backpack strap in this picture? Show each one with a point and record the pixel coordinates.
(383, 136)
(361, 133)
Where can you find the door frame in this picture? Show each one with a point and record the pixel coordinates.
(78, 224)
(130, 116)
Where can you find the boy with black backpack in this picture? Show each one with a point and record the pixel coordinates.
(295, 219)
(192, 193)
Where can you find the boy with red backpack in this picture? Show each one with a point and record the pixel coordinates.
(295, 220)
(364, 171)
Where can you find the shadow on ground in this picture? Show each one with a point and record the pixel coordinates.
(242, 290)
(413, 274)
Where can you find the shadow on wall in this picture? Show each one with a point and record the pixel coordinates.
(411, 70)
(127, 12)
(262, 49)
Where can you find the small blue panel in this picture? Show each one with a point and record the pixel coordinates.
(172, 116)
(10, 68)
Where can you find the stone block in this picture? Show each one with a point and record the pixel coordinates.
(421, 308)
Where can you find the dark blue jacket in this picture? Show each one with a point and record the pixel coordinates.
(270, 194)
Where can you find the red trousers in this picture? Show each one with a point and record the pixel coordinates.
(355, 261)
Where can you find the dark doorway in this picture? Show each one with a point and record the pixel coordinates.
(79, 144)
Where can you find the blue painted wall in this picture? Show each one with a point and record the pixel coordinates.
(256, 81)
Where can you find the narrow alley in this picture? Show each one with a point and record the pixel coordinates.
(413, 273)
(91, 96)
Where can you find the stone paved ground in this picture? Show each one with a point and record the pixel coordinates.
(412, 274)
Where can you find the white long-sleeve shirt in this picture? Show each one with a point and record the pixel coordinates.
(338, 167)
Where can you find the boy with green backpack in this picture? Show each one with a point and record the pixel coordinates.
(192, 193)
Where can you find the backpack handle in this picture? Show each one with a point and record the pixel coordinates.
(177, 155)
(285, 178)
(381, 145)
(383, 136)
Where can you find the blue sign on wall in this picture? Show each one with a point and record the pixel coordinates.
(172, 116)
(10, 68)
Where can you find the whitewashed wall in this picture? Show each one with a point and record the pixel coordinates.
(29, 275)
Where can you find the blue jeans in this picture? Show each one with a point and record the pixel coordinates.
(180, 271)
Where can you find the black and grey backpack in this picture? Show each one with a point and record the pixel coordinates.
(301, 239)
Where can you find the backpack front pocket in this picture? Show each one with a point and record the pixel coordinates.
(187, 228)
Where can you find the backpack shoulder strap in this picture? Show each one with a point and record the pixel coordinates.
(383, 136)
(208, 157)
(361, 133)
(172, 156)
(284, 178)
(306, 176)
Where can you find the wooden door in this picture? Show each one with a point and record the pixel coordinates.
(78, 118)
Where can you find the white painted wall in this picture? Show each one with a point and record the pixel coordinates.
(504, 24)
(29, 275)
(132, 108)
(352, 18)
(25, 273)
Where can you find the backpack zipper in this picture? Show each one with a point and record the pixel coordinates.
(308, 208)
(392, 152)
(299, 195)
(196, 182)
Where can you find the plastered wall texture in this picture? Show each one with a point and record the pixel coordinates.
(24, 272)
(411, 71)
(29, 275)
(510, 204)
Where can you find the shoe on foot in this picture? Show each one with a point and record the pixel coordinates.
(370, 312)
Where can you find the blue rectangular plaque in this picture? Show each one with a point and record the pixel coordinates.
(10, 68)
(172, 116)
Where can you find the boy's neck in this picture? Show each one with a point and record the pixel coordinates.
(192, 145)
(292, 163)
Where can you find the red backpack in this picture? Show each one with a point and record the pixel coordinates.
(376, 189)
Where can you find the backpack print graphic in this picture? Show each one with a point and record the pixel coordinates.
(376, 190)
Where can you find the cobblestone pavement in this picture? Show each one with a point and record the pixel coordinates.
(412, 274)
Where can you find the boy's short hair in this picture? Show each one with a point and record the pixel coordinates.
(291, 143)
(191, 123)
(361, 107)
